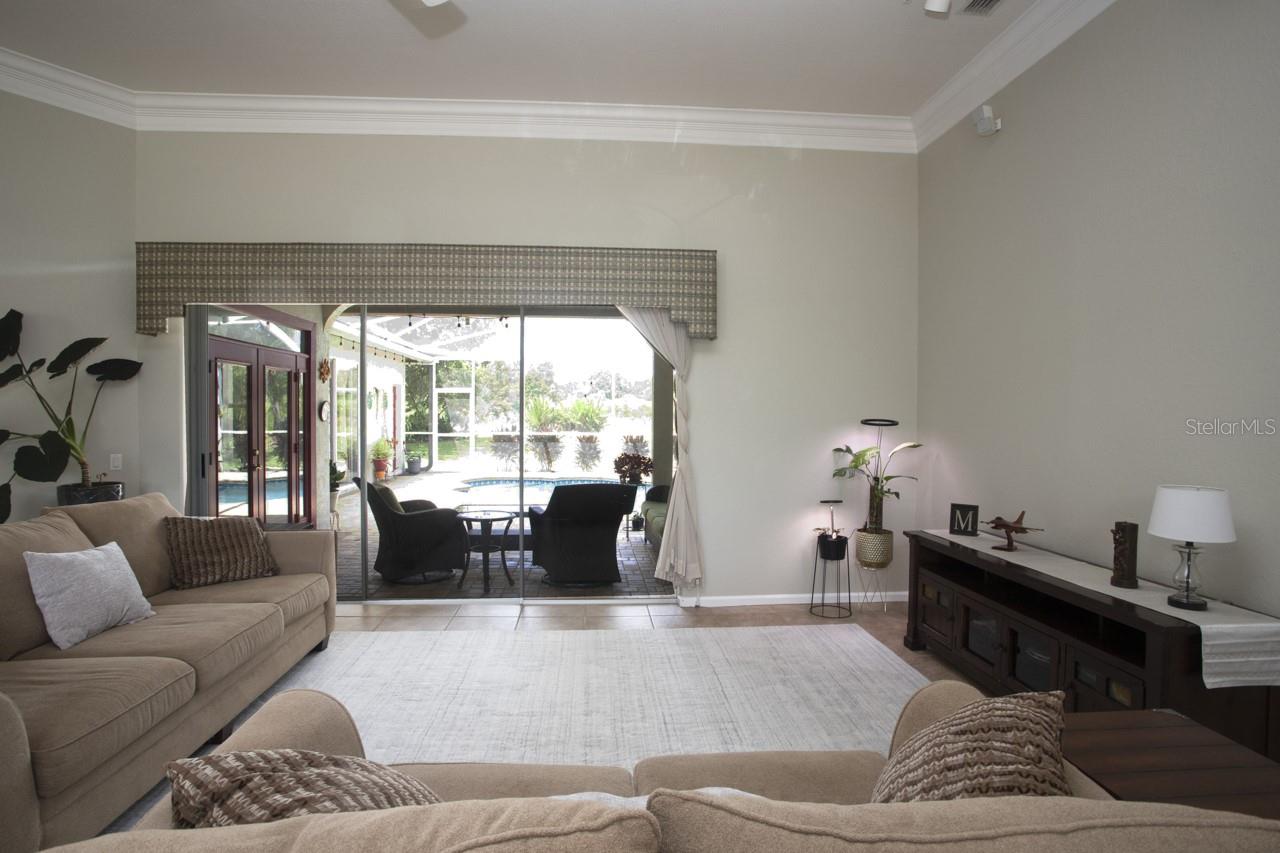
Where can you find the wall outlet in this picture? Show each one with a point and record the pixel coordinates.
(117, 461)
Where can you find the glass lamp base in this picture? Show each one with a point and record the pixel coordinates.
(1187, 601)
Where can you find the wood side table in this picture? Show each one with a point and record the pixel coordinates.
(1162, 757)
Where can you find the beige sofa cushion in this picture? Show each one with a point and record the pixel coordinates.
(21, 625)
(492, 826)
(79, 713)
(295, 595)
(697, 822)
(137, 525)
(215, 639)
(453, 782)
(805, 777)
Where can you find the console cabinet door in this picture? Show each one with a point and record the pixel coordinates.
(1092, 685)
(937, 602)
(979, 636)
(1031, 659)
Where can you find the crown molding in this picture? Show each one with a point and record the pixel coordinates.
(206, 113)
(525, 120)
(61, 87)
(1036, 32)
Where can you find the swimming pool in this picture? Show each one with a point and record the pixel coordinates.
(537, 490)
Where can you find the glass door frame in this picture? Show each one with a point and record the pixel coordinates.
(301, 416)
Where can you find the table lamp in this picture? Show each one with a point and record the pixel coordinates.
(1190, 515)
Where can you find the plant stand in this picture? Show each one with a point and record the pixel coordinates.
(872, 587)
(818, 604)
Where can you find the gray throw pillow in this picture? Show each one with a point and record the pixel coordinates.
(83, 593)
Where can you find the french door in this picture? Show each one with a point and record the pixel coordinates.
(260, 433)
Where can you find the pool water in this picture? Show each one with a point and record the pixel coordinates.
(499, 491)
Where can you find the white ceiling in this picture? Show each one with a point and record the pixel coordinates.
(868, 57)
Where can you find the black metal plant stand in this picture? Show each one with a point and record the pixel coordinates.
(833, 550)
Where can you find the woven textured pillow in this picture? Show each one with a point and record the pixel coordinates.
(1002, 747)
(206, 551)
(263, 785)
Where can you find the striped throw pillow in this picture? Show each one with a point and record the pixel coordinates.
(1002, 747)
(264, 785)
(206, 551)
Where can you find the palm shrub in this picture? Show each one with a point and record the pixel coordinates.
(637, 445)
(47, 457)
(547, 449)
(542, 415)
(586, 416)
(505, 448)
(588, 452)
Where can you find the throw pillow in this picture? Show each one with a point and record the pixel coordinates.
(206, 551)
(1001, 747)
(83, 593)
(263, 785)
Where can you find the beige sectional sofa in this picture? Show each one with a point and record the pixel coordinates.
(86, 731)
(815, 801)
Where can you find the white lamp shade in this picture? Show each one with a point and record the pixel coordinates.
(1192, 514)
(937, 5)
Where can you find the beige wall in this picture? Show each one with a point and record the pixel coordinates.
(817, 280)
(1103, 269)
(66, 262)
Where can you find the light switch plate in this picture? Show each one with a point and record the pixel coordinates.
(117, 461)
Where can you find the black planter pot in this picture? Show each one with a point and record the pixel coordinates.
(832, 547)
(637, 522)
(415, 465)
(70, 494)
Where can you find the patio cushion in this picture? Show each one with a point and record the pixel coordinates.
(295, 595)
(215, 639)
(21, 625)
(137, 526)
(79, 713)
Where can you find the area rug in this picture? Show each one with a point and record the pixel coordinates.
(611, 697)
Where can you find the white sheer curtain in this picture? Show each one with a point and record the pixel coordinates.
(680, 557)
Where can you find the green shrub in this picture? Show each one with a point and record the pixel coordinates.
(588, 452)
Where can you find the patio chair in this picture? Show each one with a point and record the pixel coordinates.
(575, 539)
(415, 537)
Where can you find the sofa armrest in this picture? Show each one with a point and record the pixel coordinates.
(930, 704)
(304, 551)
(19, 807)
(294, 719)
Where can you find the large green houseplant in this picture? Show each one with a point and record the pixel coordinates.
(874, 544)
(45, 459)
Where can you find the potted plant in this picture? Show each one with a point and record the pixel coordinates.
(335, 480)
(873, 545)
(380, 454)
(46, 458)
(631, 467)
(413, 463)
(831, 544)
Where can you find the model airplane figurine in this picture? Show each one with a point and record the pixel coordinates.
(1008, 528)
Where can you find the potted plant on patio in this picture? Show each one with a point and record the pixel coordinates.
(335, 480)
(631, 467)
(873, 545)
(46, 458)
(380, 455)
(413, 463)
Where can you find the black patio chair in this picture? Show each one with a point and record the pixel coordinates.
(415, 537)
(575, 539)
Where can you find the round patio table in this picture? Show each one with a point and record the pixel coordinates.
(488, 544)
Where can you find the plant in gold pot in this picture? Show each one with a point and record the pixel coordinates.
(873, 545)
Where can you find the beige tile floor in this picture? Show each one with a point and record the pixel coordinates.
(887, 627)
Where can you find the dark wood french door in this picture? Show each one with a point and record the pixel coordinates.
(261, 433)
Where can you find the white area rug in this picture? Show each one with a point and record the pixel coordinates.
(611, 697)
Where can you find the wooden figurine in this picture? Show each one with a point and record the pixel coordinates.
(1008, 528)
(1125, 564)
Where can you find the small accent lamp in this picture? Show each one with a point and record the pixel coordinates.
(1190, 514)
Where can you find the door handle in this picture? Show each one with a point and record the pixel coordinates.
(253, 460)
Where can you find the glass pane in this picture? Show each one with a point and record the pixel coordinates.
(242, 327)
(233, 438)
(346, 415)
(276, 424)
(983, 636)
(454, 413)
(1033, 661)
(299, 442)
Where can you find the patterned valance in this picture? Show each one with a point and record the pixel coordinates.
(174, 275)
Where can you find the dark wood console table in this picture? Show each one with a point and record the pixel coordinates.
(1012, 629)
